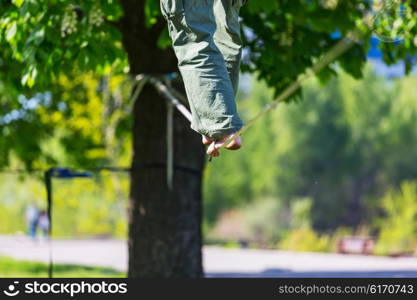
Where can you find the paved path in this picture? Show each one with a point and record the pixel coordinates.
(219, 262)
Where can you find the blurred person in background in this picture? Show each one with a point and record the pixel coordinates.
(43, 223)
(32, 216)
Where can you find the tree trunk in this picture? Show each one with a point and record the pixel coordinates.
(164, 225)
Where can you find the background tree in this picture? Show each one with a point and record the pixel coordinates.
(41, 40)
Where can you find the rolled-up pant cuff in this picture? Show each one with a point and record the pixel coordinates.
(217, 133)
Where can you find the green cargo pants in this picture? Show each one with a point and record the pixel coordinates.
(206, 40)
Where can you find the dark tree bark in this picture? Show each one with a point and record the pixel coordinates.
(164, 225)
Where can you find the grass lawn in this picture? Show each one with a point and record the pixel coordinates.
(19, 268)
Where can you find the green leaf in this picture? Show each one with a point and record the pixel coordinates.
(30, 77)
(11, 32)
(152, 10)
(18, 3)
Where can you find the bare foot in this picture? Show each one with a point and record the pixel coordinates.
(215, 145)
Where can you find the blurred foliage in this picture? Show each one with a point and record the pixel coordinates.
(93, 127)
(301, 213)
(279, 32)
(327, 162)
(261, 223)
(90, 118)
(47, 38)
(398, 228)
(306, 239)
(266, 221)
(58, 66)
(84, 123)
(83, 207)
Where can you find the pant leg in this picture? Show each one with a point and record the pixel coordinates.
(192, 25)
(227, 36)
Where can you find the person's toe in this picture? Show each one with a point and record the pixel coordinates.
(206, 140)
(212, 150)
(235, 144)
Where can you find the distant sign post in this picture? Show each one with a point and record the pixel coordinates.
(63, 173)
